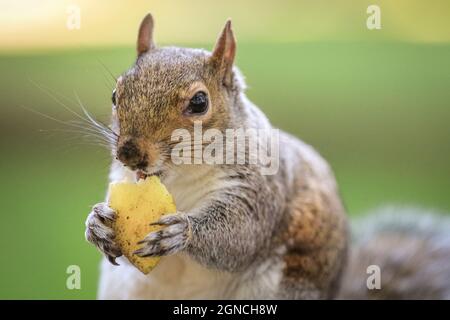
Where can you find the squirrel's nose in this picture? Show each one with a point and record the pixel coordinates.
(131, 156)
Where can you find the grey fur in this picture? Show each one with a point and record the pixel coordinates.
(412, 248)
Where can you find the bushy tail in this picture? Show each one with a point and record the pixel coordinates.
(410, 246)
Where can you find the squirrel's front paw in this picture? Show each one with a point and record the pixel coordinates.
(100, 233)
(171, 239)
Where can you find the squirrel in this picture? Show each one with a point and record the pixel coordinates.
(237, 233)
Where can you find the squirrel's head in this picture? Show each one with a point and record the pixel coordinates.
(169, 88)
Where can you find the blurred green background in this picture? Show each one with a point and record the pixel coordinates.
(374, 103)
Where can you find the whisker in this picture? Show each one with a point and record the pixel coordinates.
(95, 131)
(96, 123)
(85, 126)
(47, 116)
(85, 139)
(52, 94)
(99, 130)
(108, 71)
(94, 135)
(103, 129)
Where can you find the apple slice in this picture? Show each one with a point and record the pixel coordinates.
(137, 205)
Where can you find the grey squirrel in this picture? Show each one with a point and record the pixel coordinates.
(238, 234)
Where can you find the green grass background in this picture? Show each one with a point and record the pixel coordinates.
(379, 112)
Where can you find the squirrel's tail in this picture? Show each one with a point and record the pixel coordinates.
(409, 247)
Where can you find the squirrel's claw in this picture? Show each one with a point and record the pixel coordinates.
(103, 211)
(169, 220)
(112, 260)
(100, 233)
(171, 239)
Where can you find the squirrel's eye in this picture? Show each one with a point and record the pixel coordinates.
(198, 104)
(113, 97)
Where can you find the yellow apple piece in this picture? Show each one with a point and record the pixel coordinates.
(137, 205)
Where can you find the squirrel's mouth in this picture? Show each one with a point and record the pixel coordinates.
(143, 175)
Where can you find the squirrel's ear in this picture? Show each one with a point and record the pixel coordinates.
(224, 52)
(145, 35)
